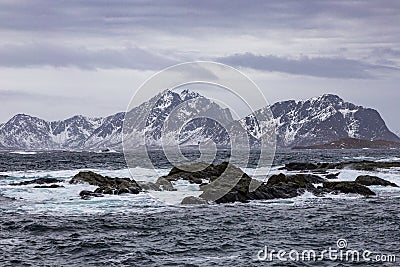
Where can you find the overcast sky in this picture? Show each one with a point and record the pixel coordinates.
(61, 58)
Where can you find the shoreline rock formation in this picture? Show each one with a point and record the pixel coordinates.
(226, 183)
(106, 185)
(219, 188)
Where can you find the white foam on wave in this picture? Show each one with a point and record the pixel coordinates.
(139, 174)
(360, 158)
(391, 159)
(392, 175)
(23, 152)
(184, 189)
(109, 204)
(66, 200)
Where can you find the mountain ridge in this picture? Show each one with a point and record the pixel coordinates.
(314, 121)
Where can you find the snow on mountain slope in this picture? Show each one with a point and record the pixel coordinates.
(172, 112)
(24, 131)
(326, 118)
(298, 123)
(74, 131)
(27, 132)
(108, 134)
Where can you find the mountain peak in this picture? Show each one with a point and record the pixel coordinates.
(187, 94)
(328, 98)
(20, 116)
(298, 123)
(24, 118)
(326, 118)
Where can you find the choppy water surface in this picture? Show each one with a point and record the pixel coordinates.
(54, 227)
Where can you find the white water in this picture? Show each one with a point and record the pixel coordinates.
(67, 201)
(23, 152)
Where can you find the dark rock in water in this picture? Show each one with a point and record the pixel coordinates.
(86, 194)
(332, 175)
(118, 189)
(368, 180)
(347, 187)
(165, 184)
(89, 177)
(356, 165)
(301, 179)
(160, 185)
(48, 186)
(149, 186)
(4, 176)
(299, 166)
(278, 186)
(282, 186)
(107, 185)
(195, 173)
(229, 183)
(39, 181)
(191, 200)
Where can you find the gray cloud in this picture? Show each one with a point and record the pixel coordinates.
(342, 39)
(103, 16)
(136, 58)
(343, 22)
(317, 66)
(80, 57)
(12, 95)
(386, 51)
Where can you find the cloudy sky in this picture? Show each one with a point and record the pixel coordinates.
(61, 58)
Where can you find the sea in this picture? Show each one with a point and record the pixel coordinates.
(55, 227)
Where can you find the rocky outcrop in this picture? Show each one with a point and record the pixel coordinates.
(49, 186)
(39, 181)
(149, 186)
(278, 187)
(107, 185)
(165, 184)
(355, 165)
(228, 183)
(368, 180)
(196, 173)
(162, 184)
(332, 175)
(86, 194)
(221, 189)
(347, 187)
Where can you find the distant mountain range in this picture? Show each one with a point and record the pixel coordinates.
(311, 122)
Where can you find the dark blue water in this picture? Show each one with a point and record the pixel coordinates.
(62, 160)
(216, 235)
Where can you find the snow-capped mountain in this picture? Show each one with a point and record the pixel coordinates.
(24, 131)
(107, 134)
(324, 119)
(73, 132)
(162, 120)
(28, 132)
(297, 123)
